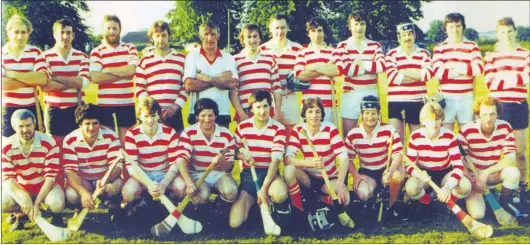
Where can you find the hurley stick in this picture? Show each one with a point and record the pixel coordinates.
(38, 109)
(269, 226)
(334, 117)
(389, 156)
(477, 229)
(344, 219)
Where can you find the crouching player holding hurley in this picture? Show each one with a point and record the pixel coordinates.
(260, 141)
(320, 143)
(375, 142)
(485, 140)
(87, 154)
(152, 151)
(30, 163)
(435, 149)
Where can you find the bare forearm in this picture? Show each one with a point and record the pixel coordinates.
(507, 161)
(170, 175)
(308, 75)
(54, 86)
(195, 85)
(115, 174)
(222, 83)
(343, 169)
(271, 173)
(12, 84)
(70, 82)
(103, 78)
(184, 170)
(44, 190)
(397, 160)
(30, 77)
(413, 73)
(329, 70)
(297, 162)
(75, 181)
(125, 72)
(277, 102)
(234, 99)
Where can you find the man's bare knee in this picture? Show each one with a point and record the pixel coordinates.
(8, 204)
(72, 196)
(412, 187)
(229, 193)
(278, 191)
(289, 172)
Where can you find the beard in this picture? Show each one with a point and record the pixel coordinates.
(111, 40)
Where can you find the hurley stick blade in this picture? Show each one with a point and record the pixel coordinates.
(75, 222)
(504, 218)
(54, 233)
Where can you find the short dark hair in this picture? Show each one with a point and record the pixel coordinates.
(111, 17)
(357, 16)
(259, 95)
(506, 21)
(277, 17)
(454, 17)
(63, 23)
(315, 23)
(87, 111)
(247, 29)
(159, 25)
(206, 104)
(209, 25)
(312, 103)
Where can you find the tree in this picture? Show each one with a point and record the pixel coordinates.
(420, 36)
(42, 15)
(523, 33)
(436, 32)
(471, 34)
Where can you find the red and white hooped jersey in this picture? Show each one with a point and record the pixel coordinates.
(466, 53)
(156, 154)
(256, 74)
(397, 60)
(486, 152)
(119, 93)
(441, 154)
(31, 60)
(264, 144)
(328, 145)
(75, 65)
(199, 152)
(363, 77)
(30, 171)
(507, 74)
(320, 86)
(161, 78)
(90, 162)
(373, 153)
(286, 60)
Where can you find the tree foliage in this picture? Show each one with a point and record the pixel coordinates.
(471, 34)
(436, 32)
(42, 15)
(523, 33)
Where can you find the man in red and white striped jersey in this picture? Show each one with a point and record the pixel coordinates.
(152, 147)
(315, 63)
(408, 68)
(284, 51)
(87, 154)
(434, 149)
(371, 141)
(507, 76)
(112, 67)
(360, 61)
(30, 163)
(23, 69)
(257, 71)
(328, 144)
(198, 147)
(456, 62)
(484, 141)
(159, 74)
(69, 69)
(265, 139)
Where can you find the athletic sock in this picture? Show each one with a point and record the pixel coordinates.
(327, 199)
(506, 194)
(296, 198)
(425, 199)
(454, 198)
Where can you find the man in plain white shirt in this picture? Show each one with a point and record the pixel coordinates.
(210, 73)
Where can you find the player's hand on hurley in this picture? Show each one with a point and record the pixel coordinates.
(262, 197)
(423, 176)
(444, 194)
(35, 212)
(357, 180)
(481, 181)
(26, 205)
(191, 189)
(343, 194)
(387, 175)
(317, 162)
(86, 200)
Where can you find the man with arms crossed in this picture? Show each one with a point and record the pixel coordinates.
(265, 139)
(360, 61)
(455, 63)
(211, 73)
(23, 69)
(112, 67)
(159, 74)
(30, 163)
(284, 51)
(507, 76)
(257, 71)
(408, 68)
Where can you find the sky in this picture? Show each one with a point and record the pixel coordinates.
(480, 15)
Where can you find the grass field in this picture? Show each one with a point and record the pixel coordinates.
(442, 227)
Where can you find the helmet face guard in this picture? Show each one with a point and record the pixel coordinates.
(318, 220)
(293, 83)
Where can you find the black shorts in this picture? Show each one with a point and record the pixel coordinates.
(223, 120)
(247, 183)
(377, 175)
(7, 112)
(317, 183)
(516, 114)
(125, 116)
(412, 111)
(438, 176)
(60, 122)
(175, 121)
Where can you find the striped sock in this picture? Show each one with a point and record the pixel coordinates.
(327, 199)
(296, 198)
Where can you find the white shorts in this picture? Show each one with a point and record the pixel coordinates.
(211, 179)
(459, 108)
(350, 103)
(290, 109)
